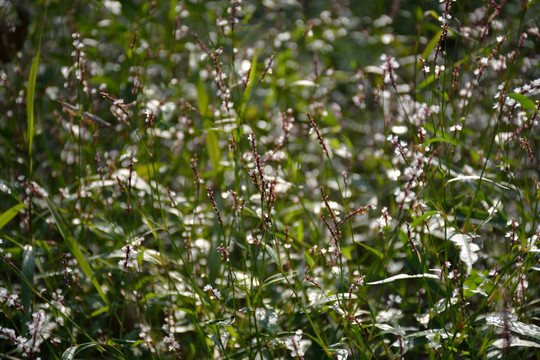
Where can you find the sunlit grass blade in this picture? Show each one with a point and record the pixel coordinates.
(212, 146)
(10, 214)
(250, 83)
(202, 97)
(430, 46)
(524, 101)
(30, 101)
(70, 353)
(403, 277)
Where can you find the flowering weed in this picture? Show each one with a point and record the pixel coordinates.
(275, 179)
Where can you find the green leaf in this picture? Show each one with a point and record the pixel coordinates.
(347, 251)
(418, 220)
(70, 353)
(267, 319)
(426, 82)
(514, 326)
(99, 311)
(28, 264)
(202, 97)
(372, 250)
(74, 247)
(429, 47)
(30, 100)
(440, 136)
(10, 214)
(272, 253)
(439, 139)
(228, 321)
(280, 278)
(340, 297)
(251, 83)
(212, 145)
(524, 101)
(300, 231)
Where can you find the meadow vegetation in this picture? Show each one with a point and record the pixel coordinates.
(270, 179)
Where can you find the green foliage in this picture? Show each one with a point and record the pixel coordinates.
(283, 179)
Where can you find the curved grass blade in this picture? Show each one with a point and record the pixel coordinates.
(111, 352)
(524, 101)
(430, 46)
(404, 276)
(370, 249)
(74, 247)
(30, 100)
(419, 219)
(10, 214)
(70, 353)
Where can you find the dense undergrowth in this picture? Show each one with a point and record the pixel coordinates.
(274, 179)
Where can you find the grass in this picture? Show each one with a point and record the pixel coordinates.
(278, 180)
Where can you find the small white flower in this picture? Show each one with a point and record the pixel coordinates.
(297, 346)
(251, 240)
(214, 292)
(439, 69)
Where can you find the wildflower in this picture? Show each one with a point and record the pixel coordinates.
(512, 234)
(172, 344)
(210, 194)
(215, 293)
(319, 136)
(267, 69)
(382, 21)
(224, 253)
(438, 70)
(297, 346)
(252, 240)
(9, 299)
(425, 69)
(401, 149)
(114, 7)
(445, 18)
(149, 115)
(454, 129)
(4, 188)
(388, 66)
(394, 299)
(385, 218)
(39, 330)
(131, 252)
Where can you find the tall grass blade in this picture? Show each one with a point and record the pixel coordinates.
(74, 247)
(30, 100)
(212, 146)
(28, 265)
